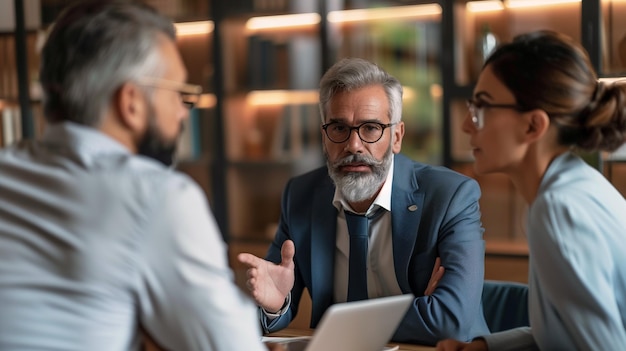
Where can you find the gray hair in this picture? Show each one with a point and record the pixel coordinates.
(93, 49)
(354, 73)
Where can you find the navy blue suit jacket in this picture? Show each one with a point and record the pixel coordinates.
(446, 224)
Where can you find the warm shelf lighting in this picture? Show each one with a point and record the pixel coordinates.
(194, 28)
(206, 101)
(387, 13)
(283, 21)
(613, 80)
(298, 97)
(436, 91)
(532, 3)
(408, 94)
(282, 97)
(484, 6)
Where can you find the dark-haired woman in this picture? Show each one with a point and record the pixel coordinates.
(536, 101)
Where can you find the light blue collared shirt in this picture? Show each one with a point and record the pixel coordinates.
(97, 244)
(577, 282)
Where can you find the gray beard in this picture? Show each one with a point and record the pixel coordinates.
(357, 186)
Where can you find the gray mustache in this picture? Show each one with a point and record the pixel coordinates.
(370, 161)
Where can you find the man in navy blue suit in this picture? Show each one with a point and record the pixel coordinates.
(428, 219)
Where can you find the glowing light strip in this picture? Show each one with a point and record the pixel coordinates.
(396, 12)
(533, 3)
(297, 97)
(282, 97)
(194, 28)
(484, 6)
(283, 21)
(613, 80)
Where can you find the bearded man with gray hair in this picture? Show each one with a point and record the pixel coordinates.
(100, 241)
(420, 220)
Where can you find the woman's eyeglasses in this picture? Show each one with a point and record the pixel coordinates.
(477, 111)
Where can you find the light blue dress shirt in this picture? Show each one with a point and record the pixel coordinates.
(97, 244)
(577, 280)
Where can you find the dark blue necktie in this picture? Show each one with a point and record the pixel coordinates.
(358, 228)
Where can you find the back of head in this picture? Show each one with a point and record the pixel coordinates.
(550, 71)
(353, 73)
(93, 48)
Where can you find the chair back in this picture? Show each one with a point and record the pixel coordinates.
(505, 305)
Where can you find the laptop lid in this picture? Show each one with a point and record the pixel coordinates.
(365, 325)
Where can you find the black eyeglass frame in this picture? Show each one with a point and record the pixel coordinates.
(189, 93)
(383, 126)
(475, 106)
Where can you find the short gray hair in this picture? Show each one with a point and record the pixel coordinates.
(93, 49)
(354, 73)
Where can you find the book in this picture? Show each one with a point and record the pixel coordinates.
(189, 145)
(297, 132)
(261, 62)
(11, 125)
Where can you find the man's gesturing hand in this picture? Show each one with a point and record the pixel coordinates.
(270, 283)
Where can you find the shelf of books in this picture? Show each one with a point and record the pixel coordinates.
(272, 66)
(11, 123)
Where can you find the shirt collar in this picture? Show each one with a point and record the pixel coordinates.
(556, 167)
(82, 139)
(382, 200)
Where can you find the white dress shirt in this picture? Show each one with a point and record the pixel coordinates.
(381, 276)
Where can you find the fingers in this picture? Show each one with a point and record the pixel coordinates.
(436, 266)
(250, 260)
(275, 347)
(287, 252)
(448, 345)
(434, 281)
(454, 345)
(436, 277)
(437, 274)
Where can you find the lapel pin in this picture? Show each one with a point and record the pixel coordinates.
(413, 208)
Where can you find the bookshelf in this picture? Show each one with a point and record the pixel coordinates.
(13, 125)
(271, 67)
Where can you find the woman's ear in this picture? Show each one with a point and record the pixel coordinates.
(130, 105)
(538, 123)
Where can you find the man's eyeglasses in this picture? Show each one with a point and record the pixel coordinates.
(189, 93)
(477, 111)
(369, 132)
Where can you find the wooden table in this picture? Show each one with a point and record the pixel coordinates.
(308, 332)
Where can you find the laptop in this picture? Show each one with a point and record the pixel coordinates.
(365, 325)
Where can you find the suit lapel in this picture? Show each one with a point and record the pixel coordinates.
(323, 242)
(406, 213)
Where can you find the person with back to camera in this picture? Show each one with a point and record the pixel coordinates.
(536, 101)
(100, 244)
(424, 214)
